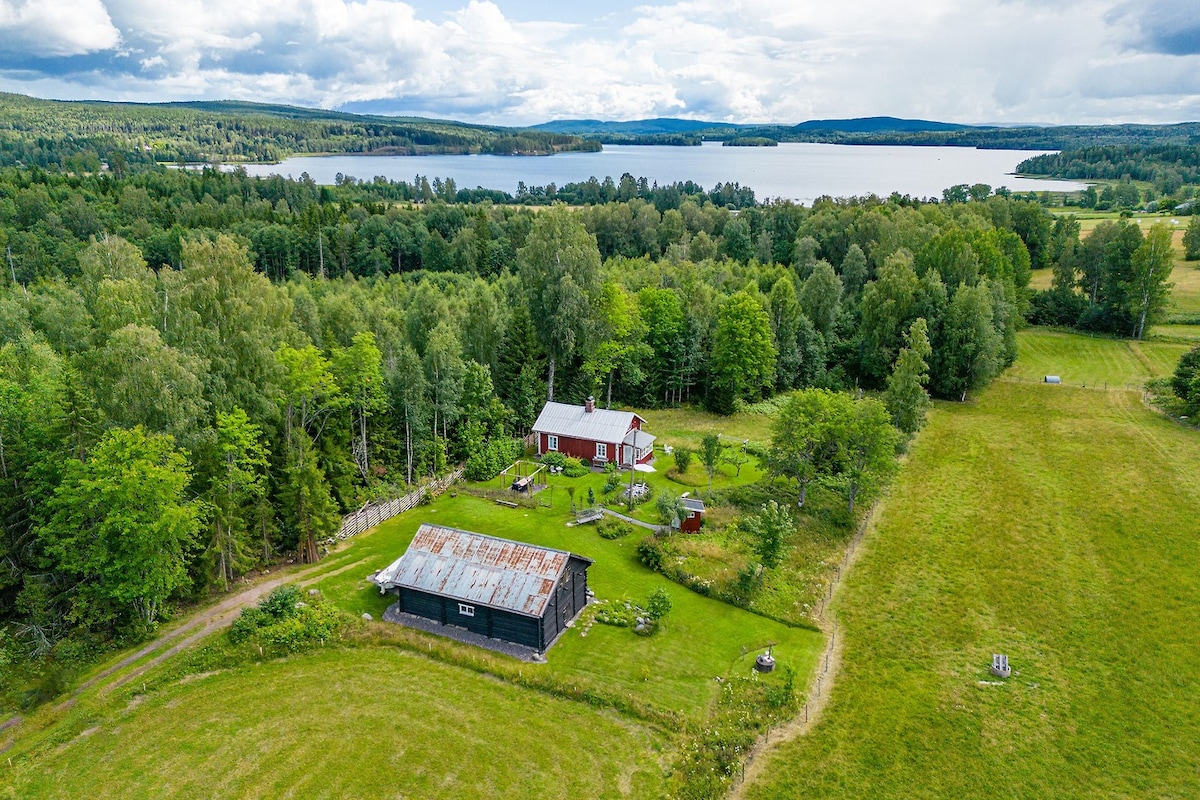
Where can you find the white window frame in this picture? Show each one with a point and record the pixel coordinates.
(602, 450)
(466, 610)
(551, 442)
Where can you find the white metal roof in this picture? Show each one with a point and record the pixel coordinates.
(600, 425)
(639, 439)
(479, 569)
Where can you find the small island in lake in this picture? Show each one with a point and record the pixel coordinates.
(751, 141)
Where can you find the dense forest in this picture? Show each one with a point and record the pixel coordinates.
(886, 131)
(227, 364)
(1172, 170)
(83, 135)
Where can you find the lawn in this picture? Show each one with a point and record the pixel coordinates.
(675, 669)
(372, 722)
(1056, 525)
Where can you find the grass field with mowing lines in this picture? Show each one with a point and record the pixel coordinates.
(1189, 333)
(1053, 524)
(373, 722)
(1092, 361)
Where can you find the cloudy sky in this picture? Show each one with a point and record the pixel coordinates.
(524, 61)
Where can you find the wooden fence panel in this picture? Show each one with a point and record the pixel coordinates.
(372, 514)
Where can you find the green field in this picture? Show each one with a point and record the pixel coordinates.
(1186, 333)
(1094, 362)
(375, 722)
(1185, 296)
(1059, 526)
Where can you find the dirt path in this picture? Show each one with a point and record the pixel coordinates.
(204, 623)
(820, 686)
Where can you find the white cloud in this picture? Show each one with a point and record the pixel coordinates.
(737, 60)
(56, 28)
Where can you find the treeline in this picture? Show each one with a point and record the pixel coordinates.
(1173, 170)
(1063, 137)
(1114, 281)
(83, 136)
(228, 364)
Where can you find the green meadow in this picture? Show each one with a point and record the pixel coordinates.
(1058, 525)
(371, 722)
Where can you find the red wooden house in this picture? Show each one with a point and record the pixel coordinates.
(595, 434)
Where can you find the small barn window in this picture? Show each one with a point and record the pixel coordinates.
(601, 450)
(551, 442)
(466, 610)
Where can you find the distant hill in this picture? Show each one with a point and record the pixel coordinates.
(640, 127)
(665, 125)
(877, 124)
(81, 135)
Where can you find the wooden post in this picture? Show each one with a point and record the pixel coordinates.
(633, 462)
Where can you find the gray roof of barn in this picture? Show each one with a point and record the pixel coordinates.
(600, 425)
(475, 568)
(692, 504)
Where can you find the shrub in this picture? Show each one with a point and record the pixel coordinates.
(282, 623)
(660, 604)
(554, 459)
(280, 603)
(575, 468)
(650, 553)
(683, 459)
(611, 528)
(612, 477)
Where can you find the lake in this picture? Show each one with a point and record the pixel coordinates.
(800, 172)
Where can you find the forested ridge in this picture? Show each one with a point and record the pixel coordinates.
(82, 135)
(226, 364)
(885, 131)
(1169, 167)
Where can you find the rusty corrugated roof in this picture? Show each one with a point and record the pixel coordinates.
(479, 569)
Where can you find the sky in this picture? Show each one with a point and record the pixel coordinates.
(519, 62)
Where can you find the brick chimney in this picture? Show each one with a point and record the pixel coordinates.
(590, 405)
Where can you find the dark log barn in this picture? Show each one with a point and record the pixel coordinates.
(499, 588)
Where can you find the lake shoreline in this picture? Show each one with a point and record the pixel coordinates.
(799, 172)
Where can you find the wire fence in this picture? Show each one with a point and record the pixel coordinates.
(828, 618)
(1102, 386)
(372, 514)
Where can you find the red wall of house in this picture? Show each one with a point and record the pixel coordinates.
(690, 522)
(577, 448)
